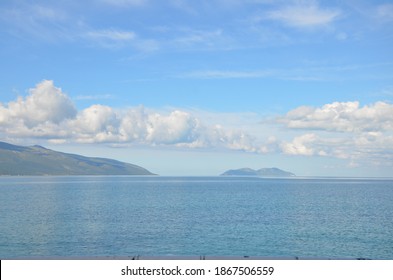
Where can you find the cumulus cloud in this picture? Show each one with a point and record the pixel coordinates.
(343, 130)
(44, 104)
(313, 144)
(299, 145)
(96, 123)
(176, 127)
(342, 117)
(49, 114)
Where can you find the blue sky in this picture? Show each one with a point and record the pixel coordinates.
(198, 87)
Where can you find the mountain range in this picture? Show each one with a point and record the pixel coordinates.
(37, 160)
(263, 172)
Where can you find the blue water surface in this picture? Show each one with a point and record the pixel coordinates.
(183, 216)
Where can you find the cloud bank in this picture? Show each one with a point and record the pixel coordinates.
(344, 130)
(342, 117)
(48, 113)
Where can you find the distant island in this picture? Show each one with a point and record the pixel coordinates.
(36, 160)
(263, 172)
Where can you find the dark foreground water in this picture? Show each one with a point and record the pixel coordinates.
(164, 216)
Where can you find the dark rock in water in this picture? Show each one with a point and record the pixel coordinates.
(37, 160)
(263, 172)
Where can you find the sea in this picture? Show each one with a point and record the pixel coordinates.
(119, 216)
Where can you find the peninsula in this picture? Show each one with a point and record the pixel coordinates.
(36, 160)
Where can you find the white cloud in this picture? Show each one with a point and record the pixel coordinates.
(342, 116)
(97, 123)
(177, 127)
(345, 130)
(385, 12)
(57, 23)
(94, 97)
(111, 34)
(192, 37)
(39, 21)
(342, 130)
(314, 144)
(111, 38)
(115, 38)
(189, 38)
(47, 13)
(48, 113)
(303, 14)
(45, 103)
(299, 73)
(234, 139)
(300, 145)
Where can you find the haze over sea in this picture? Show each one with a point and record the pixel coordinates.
(101, 216)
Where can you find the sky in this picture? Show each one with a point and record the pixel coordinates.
(185, 87)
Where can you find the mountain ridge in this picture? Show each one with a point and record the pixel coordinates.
(38, 161)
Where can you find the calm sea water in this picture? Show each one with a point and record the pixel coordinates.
(164, 216)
